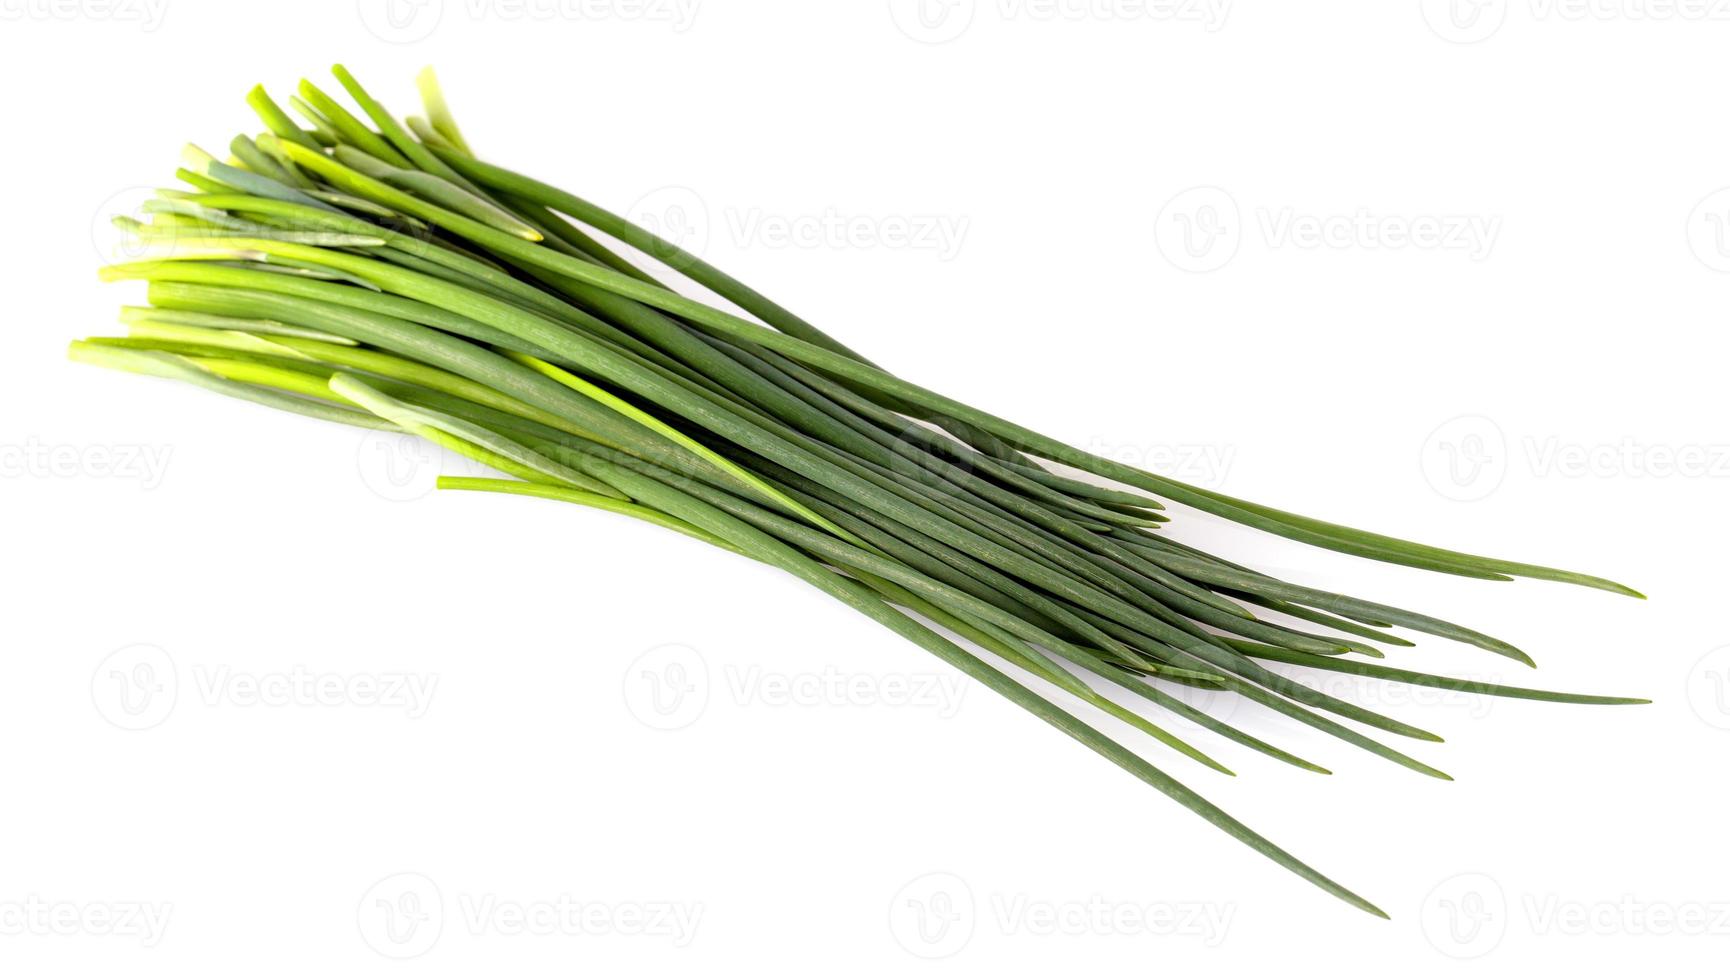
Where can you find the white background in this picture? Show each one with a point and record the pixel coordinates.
(1542, 379)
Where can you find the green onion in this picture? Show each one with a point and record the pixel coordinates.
(369, 273)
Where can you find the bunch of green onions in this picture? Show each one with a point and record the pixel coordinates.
(377, 273)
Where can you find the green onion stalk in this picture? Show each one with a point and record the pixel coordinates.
(348, 266)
